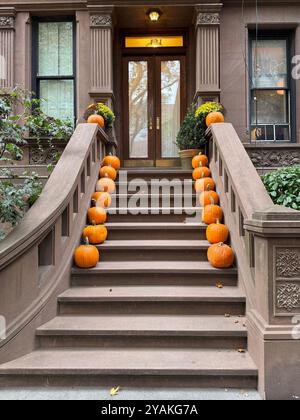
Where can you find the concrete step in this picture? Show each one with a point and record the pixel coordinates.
(156, 231)
(155, 186)
(157, 173)
(132, 367)
(197, 273)
(155, 200)
(144, 331)
(154, 250)
(155, 214)
(186, 300)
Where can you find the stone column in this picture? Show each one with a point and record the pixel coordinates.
(7, 47)
(208, 52)
(101, 24)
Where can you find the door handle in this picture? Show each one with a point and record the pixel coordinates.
(158, 123)
(151, 124)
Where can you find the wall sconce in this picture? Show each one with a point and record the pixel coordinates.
(154, 15)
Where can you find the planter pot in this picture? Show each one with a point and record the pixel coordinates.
(186, 157)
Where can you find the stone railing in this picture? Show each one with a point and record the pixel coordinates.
(266, 240)
(36, 258)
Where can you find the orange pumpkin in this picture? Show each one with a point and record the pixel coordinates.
(108, 171)
(101, 199)
(113, 161)
(106, 185)
(86, 256)
(199, 160)
(220, 255)
(96, 234)
(97, 215)
(96, 119)
(204, 184)
(208, 197)
(217, 233)
(211, 214)
(214, 118)
(201, 172)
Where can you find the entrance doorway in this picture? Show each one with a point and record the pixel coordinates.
(154, 106)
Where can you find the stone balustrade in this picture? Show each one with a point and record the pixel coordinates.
(36, 258)
(266, 240)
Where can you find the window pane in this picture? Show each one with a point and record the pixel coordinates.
(55, 43)
(155, 41)
(59, 96)
(269, 107)
(138, 109)
(269, 63)
(170, 107)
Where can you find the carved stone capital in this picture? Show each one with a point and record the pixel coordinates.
(7, 22)
(101, 21)
(208, 18)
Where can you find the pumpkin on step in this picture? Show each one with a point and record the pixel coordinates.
(204, 184)
(113, 161)
(106, 185)
(220, 255)
(108, 171)
(86, 256)
(217, 233)
(208, 197)
(96, 234)
(200, 160)
(97, 215)
(101, 199)
(214, 118)
(201, 172)
(211, 214)
(96, 119)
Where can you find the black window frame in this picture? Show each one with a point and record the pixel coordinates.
(289, 36)
(36, 79)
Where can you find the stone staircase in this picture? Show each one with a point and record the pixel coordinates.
(150, 314)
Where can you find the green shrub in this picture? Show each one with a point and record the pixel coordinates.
(284, 186)
(192, 132)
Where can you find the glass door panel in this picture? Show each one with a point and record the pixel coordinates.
(138, 109)
(170, 107)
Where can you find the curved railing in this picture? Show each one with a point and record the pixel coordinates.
(35, 259)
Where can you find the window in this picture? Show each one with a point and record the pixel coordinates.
(155, 41)
(271, 91)
(54, 67)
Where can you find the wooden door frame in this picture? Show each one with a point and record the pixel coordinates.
(138, 53)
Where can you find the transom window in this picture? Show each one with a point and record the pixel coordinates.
(54, 67)
(270, 89)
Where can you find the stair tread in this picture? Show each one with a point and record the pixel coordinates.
(122, 267)
(163, 293)
(133, 361)
(154, 244)
(146, 325)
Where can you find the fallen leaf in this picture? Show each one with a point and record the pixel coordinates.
(115, 391)
(227, 315)
(241, 350)
(219, 285)
(237, 322)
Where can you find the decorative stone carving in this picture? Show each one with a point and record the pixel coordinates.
(101, 21)
(288, 262)
(44, 156)
(288, 297)
(275, 158)
(6, 22)
(208, 19)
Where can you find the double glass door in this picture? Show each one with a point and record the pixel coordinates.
(154, 106)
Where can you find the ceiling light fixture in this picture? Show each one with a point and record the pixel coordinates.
(154, 15)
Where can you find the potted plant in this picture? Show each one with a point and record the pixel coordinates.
(191, 138)
(102, 110)
(205, 109)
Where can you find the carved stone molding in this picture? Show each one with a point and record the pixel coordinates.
(274, 158)
(288, 263)
(7, 22)
(288, 297)
(101, 21)
(208, 19)
(44, 156)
